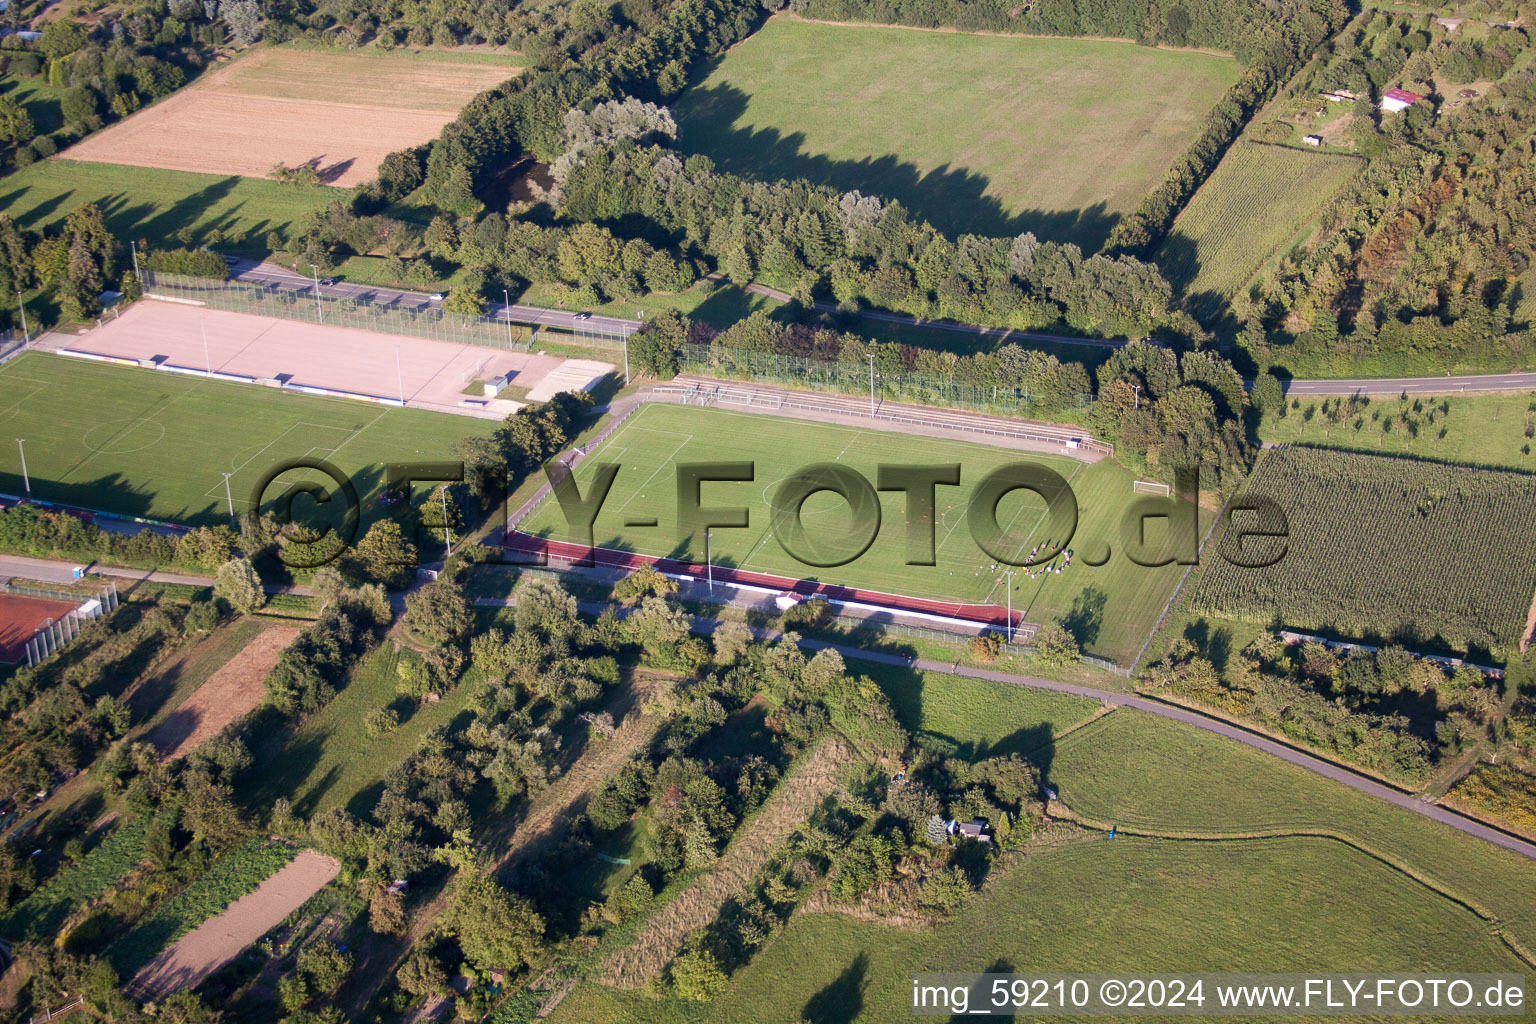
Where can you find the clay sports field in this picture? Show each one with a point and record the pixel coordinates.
(21, 616)
(428, 374)
(341, 113)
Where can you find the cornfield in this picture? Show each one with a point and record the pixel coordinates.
(1225, 234)
(1388, 547)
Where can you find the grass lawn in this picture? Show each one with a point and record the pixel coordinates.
(153, 204)
(1138, 771)
(965, 130)
(982, 718)
(1159, 906)
(138, 442)
(1223, 236)
(330, 760)
(716, 303)
(1308, 902)
(1111, 608)
(1479, 430)
(42, 102)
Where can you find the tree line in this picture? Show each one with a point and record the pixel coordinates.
(813, 240)
(109, 69)
(1420, 258)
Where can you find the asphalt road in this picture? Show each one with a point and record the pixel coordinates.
(1414, 385)
(272, 273)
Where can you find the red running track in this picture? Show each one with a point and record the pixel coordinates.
(981, 614)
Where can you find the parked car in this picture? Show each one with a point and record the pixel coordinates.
(436, 297)
(582, 316)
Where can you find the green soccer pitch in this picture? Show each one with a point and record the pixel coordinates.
(1112, 608)
(157, 445)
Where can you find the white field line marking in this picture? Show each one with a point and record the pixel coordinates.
(773, 524)
(216, 490)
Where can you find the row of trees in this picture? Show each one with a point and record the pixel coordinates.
(1420, 255)
(813, 240)
(527, 115)
(109, 69)
(77, 260)
(1243, 27)
(1285, 50)
(1387, 711)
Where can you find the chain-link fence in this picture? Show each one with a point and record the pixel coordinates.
(904, 385)
(395, 317)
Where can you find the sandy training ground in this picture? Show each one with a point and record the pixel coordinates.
(219, 940)
(427, 374)
(234, 689)
(20, 617)
(339, 113)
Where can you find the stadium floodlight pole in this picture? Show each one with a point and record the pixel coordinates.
(506, 311)
(1009, 573)
(871, 383)
(26, 481)
(134, 244)
(709, 565)
(228, 496)
(319, 313)
(399, 375)
(626, 357)
(442, 492)
(207, 359)
(1137, 389)
(21, 304)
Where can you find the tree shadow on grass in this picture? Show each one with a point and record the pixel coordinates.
(953, 199)
(843, 998)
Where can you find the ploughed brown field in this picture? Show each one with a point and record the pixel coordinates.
(342, 113)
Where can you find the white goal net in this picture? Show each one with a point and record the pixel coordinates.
(1151, 487)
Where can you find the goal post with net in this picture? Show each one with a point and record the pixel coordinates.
(1151, 487)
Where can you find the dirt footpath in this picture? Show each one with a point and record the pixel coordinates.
(787, 809)
(219, 940)
(229, 693)
(567, 796)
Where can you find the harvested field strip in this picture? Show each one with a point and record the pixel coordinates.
(228, 694)
(404, 81)
(157, 695)
(41, 913)
(215, 133)
(219, 940)
(340, 113)
(233, 875)
(788, 808)
(568, 795)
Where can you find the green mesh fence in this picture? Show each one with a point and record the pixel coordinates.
(853, 379)
(336, 311)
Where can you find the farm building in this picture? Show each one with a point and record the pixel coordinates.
(1313, 140)
(976, 829)
(1394, 100)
